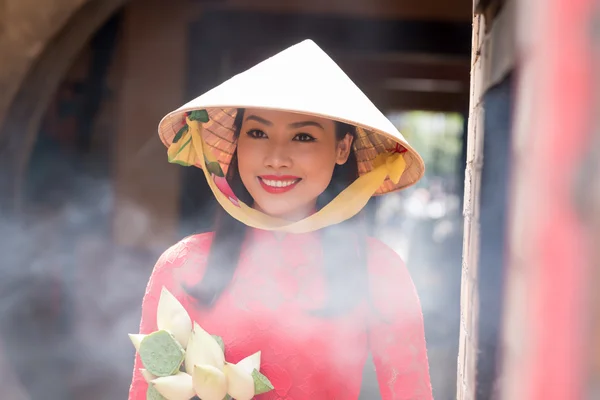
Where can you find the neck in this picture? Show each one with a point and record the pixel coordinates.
(293, 216)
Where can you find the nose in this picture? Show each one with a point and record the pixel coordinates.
(278, 156)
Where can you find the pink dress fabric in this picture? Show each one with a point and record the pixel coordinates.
(266, 308)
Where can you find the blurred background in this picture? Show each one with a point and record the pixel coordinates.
(93, 201)
(88, 201)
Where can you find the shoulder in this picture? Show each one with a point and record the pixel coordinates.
(185, 258)
(180, 264)
(382, 258)
(390, 283)
(186, 247)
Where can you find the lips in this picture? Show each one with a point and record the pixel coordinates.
(278, 184)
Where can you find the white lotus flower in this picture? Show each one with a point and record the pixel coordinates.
(240, 384)
(207, 374)
(136, 339)
(209, 382)
(171, 316)
(175, 387)
(203, 349)
(204, 361)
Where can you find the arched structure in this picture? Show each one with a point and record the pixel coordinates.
(24, 112)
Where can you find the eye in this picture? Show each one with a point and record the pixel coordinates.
(304, 137)
(256, 134)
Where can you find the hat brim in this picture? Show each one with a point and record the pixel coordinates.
(218, 133)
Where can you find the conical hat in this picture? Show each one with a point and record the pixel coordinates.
(301, 79)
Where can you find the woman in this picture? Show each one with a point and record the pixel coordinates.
(293, 150)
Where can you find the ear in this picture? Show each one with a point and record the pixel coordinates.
(343, 149)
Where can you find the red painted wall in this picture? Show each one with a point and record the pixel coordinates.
(550, 247)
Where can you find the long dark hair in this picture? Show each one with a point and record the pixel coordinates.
(344, 244)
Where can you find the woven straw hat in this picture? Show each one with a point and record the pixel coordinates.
(301, 79)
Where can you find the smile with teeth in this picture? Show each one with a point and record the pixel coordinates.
(279, 184)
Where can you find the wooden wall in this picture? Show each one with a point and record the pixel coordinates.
(153, 83)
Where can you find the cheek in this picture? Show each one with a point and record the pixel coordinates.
(246, 161)
(319, 168)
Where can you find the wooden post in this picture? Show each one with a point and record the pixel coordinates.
(492, 60)
(147, 187)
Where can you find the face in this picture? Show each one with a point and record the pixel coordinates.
(286, 160)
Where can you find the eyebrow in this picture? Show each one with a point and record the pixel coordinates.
(294, 125)
(259, 120)
(302, 124)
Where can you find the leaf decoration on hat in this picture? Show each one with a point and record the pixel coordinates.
(182, 152)
(180, 133)
(199, 115)
(214, 168)
(212, 163)
(181, 362)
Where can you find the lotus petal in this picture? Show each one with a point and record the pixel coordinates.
(175, 387)
(203, 349)
(251, 363)
(240, 384)
(172, 316)
(209, 382)
(136, 339)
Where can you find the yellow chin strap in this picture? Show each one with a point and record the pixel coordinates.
(188, 148)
